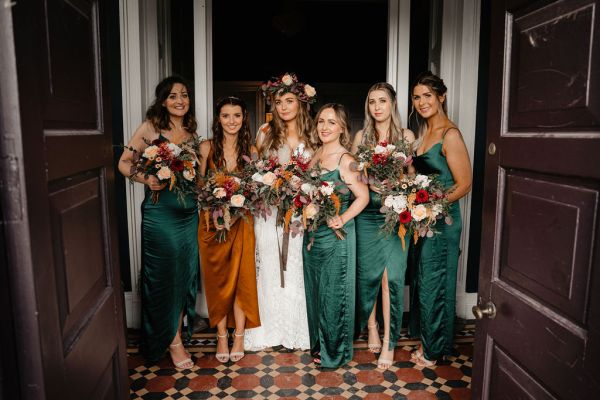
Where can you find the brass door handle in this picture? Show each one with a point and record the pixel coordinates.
(488, 310)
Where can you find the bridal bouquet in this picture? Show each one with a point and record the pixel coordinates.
(415, 205)
(171, 163)
(223, 198)
(279, 186)
(384, 165)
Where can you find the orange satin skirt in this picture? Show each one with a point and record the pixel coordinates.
(229, 272)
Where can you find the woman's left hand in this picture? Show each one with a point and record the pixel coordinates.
(336, 222)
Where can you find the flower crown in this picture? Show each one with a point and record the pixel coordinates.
(288, 83)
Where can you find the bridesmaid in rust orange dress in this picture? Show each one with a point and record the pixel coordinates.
(228, 268)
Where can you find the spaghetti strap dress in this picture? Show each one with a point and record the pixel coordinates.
(330, 280)
(376, 252)
(433, 276)
(228, 269)
(169, 275)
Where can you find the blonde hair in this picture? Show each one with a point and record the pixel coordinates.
(276, 133)
(369, 137)
(342, 117)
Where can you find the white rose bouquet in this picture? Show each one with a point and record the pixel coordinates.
(171, 163)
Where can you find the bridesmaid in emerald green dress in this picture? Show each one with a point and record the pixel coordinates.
(330, 264)
(381, 261)
(170, 263)
(440, 150)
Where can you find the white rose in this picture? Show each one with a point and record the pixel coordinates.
(174, 149)
(163, 173)
(237, 200)
(436, 210)
(327, 189)
(189, 174)
(309, 90)
(379, 149)
(307, 188)
(390, 148)
(257, 177)
(287, 80)
(311, 210)
(237, 180)
(296, 182)
(219, 193)
(399, 203)
(150, 152)
(269, 178)
(399, 155)
(419, 212)
(389, 201)
(422, 180)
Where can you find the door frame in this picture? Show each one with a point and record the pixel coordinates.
(142, 20)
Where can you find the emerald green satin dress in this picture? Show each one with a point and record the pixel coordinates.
(377, 252)
(169, 278)
(329, 280)
(433, 277)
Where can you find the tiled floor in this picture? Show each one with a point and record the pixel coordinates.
(278, 373)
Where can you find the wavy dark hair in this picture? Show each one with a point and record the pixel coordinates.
(158, 114)
(343, 119)
(244, 138)
(437, 86)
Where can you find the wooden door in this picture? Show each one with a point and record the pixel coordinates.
(540, 257)
(61, 55)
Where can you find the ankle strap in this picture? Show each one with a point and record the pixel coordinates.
(222, 336)
(238, 334)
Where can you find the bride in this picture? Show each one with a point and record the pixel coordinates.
(280, 279)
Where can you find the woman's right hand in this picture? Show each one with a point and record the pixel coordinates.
(376, 189)
(154, 184)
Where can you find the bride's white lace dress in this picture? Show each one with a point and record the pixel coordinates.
(282, 310)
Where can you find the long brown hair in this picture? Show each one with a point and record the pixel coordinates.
(342, 116)
(276, 133)
(159, 116)
(244, 138)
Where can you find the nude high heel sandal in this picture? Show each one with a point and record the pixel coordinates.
(374, 347)
(237, 355)
(222, 357)
(186, 363)
(385, 363)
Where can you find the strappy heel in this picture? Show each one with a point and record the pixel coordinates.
(237, 355)
(186, 363)
(418, 353)
(423, 362)
(222, 357)
(374, 347)
(385, 363)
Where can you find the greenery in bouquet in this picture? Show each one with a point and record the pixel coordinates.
(222, 198)
(414, 207)
(316, 202)
(169, 163)
(384, 165)
(279, 186)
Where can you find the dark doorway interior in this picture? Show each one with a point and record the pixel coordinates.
(318, 40)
